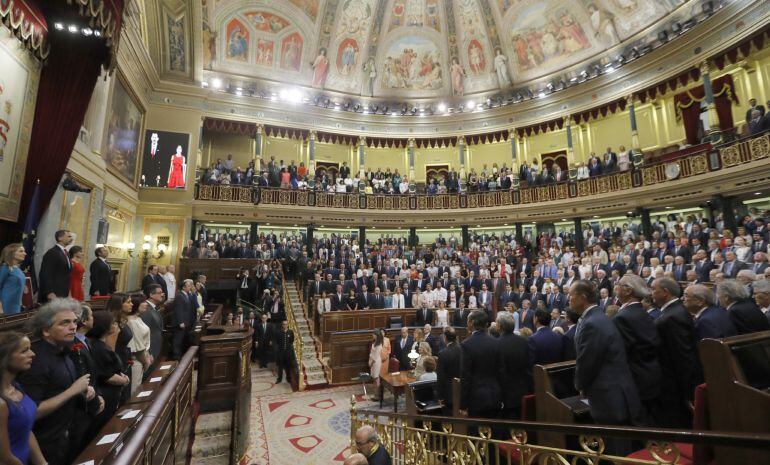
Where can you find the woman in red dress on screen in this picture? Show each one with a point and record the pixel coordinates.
(176, 172)
(78, 270)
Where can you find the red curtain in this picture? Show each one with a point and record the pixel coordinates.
(687, 106)
(66, 84)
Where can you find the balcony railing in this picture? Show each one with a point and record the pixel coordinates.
(690, 165)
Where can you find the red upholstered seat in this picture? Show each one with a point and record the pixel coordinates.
(393, 365)
(698, 454)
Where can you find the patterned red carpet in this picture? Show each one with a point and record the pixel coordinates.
(301, 428)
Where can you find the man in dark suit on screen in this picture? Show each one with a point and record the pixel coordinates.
(601, 372)
(56, 269)
(102, 279)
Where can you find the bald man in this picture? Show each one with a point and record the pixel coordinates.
(356, 459)
(368, 443)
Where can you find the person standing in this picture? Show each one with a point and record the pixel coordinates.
(375, 361)
(448, 369)
(102, 279)
(55, 269)
(263, 339)
(170, 279)
(515, 369)
(121, 307)
(601, 371)
(678, 356)
(139, 344)
(480, 391)
(284, 351)
(110, 378)
(78, 271)
(12, 279)
(17, 409)
(154, 320)
(183, 320)
(51, 380)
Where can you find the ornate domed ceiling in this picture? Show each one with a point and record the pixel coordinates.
(427, 49)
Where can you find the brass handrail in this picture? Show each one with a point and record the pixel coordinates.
(416, 439)
(297, 338)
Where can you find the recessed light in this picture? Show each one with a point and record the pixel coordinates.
(669, 208)
(72, 28)
(87, 31)
(240, 222)
(267, 224)
(239, 93)
(541, 94)
(216, 83)
(471, 104)
(97, 33)
(59, 26)
(596, 216)
(564, 219)
(204, 84)
(757, 193)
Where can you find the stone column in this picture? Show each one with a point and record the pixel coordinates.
(258, 136)
(311, 154)
(361, 237)
(646, 223)
(636, 151)
(461, 147)
(412, 241)
(579, 245)
(466, 237)
(570, 146)
(410, 153)
(361, 155)
(708, 92)
(519, 234)
(514, 154)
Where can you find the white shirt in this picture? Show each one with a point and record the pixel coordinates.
(398, 301)
(440, 294)
(170, 284)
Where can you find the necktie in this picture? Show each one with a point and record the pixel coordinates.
(67, 257)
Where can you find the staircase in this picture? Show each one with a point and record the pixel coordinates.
(212, 439)
(313, 369)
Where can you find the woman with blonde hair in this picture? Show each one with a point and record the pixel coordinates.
(12, 279)
(424, 351)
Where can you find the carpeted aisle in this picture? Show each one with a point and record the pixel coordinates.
(310, 427)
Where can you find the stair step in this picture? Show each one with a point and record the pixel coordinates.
(208, 446)
(213, 460)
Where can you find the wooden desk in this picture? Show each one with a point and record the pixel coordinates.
(395, 383)
(356, 320)
(223, 367)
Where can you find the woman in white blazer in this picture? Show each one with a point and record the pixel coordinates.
(324, 303)
(398, 300)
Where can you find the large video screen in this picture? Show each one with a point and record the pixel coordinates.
(165, 159)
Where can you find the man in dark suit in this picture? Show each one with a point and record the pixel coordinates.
(338, 299)
(569, 335)
(56, 268)
(448, 368)
(402, 345)
(423, 316)
(601, 372)
(732, 265)
(436, 344)
(369, 444)
(745, 315)
(102, 279)
(480, 389)
(515, 372)
(262, 340)
(526, 316)
(284, 351)
(753, 106)
(702, 266)
(460, 315)
(640, 338)
(711, 321)
(545, 346)
(677, 356)
(152, 277)
(154, 319)
(183, 320)
(757, 123)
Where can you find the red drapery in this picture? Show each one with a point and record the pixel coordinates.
(687, 106)
(66, 84)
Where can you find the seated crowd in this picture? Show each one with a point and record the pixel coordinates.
(278, 174)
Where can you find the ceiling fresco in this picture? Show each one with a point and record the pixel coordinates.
(420, 48)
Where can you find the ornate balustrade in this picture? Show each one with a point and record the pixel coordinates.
(427, 440)
(687, 166)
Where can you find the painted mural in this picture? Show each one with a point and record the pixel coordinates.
(291, 52)
(412, 63)
(237, 45)
(543, 37)
(124, 125)
(415, 13)
(266, 22)
(177, 44)
(380, 48)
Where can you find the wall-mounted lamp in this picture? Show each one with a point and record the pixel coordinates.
(147, 253)
(130, 247)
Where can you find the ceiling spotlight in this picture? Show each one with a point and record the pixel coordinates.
(413, 110)
(471, 104)
(708, 8)
(239, 92)
(635, 52)
(273, 97)
(663, 36)
(442, 107)
(59, 26)
(550, 86)
(73, 29)
(97, 33)
(357, 107)
(87, 31)
(326, 103)
(374, 108)
(541, 94)
(204, 84)
(346, 106)
(677, 27)
(216, 83)
(384, 109)
(611, 70)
